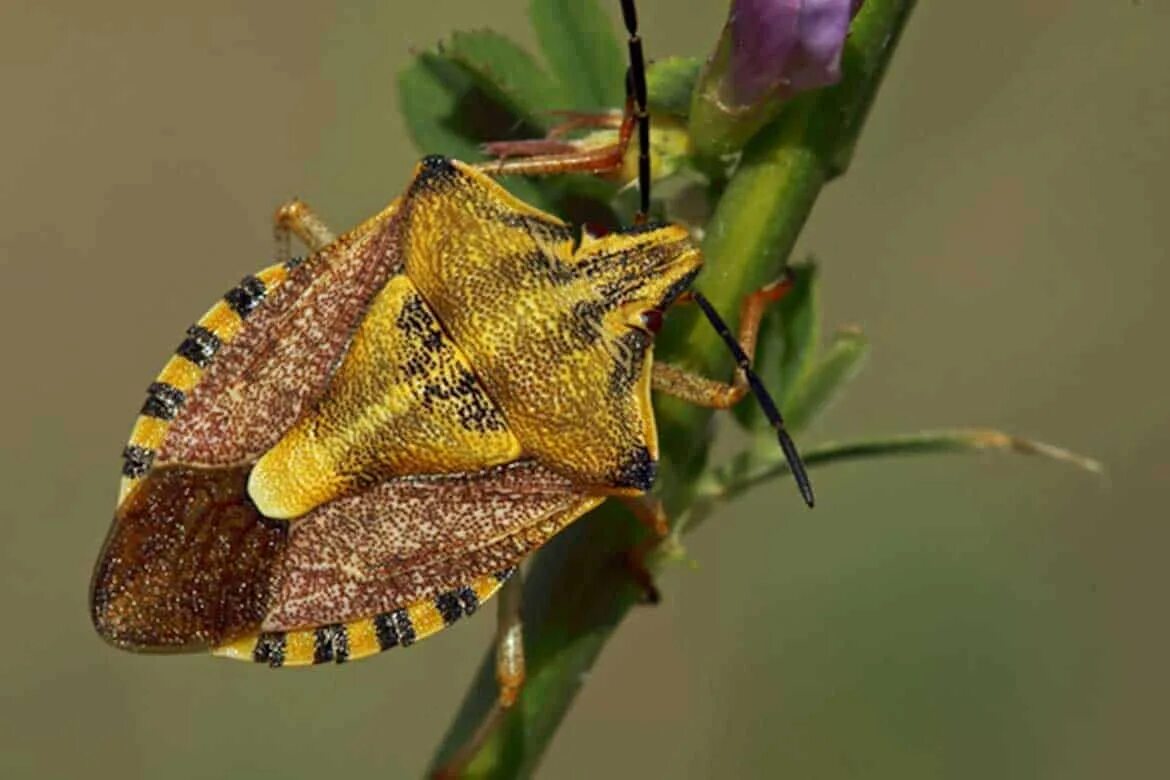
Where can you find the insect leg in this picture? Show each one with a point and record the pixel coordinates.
(652, 514)
(707, 392)
(529, 148)
(510, 641)
(649, 511)
(554, 143)
(509, 674)
(603, 159)
(296, 218)
(712, 393)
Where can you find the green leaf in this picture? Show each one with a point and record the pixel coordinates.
(577, 40)
(669, 84)
(508, 74)
(751, 469)
(786, 349)
(821, 383)
(432, 95)
(447, 112)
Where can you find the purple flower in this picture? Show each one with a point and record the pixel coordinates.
(769, 51)
(781, 47)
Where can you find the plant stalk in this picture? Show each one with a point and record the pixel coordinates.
(578, 590)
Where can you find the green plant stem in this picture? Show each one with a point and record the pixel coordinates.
(578, 591)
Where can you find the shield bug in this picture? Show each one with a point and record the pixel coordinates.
(350, 452)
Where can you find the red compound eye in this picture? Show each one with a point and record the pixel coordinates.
(652, 320)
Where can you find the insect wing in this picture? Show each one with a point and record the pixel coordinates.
(191, 564)
(264, 353)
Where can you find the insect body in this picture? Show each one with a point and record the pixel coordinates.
(349, 453)
(384, 427)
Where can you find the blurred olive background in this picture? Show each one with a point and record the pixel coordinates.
(1000, 238)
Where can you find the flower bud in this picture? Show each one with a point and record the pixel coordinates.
(769, 51)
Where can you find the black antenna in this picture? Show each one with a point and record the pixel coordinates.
(767, 405)
(636, 88)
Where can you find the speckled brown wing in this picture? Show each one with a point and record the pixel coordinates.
(259, 356)
(187, 562)
(190, 563)
(412, 538)
(257, 384)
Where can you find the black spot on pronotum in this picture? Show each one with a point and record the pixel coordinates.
(637, 470)
(270, 649)
(434, 171)
(163, 401)
(330, 643)
(246, 296)
(200, 345)
(136, 461)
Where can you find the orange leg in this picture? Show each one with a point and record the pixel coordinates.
(652, 514)
(535, 147)
(553, 144)
(509, 674)
(703, 391)
(604, 159)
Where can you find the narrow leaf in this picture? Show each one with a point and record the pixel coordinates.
(734, 480)
(578, 42)
(823, 382)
